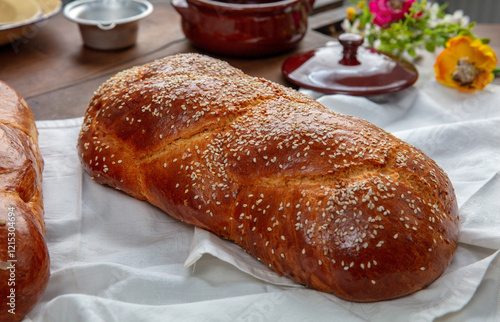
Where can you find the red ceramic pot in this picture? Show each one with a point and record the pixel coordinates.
(244, 28)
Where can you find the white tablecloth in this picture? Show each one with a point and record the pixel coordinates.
(114, 258)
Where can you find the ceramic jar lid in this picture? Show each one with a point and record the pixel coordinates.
(348, 68)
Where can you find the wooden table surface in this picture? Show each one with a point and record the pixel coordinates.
(57, 75)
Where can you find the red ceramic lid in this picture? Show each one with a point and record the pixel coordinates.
(348, 68)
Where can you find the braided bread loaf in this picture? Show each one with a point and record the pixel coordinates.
(24, 258)
(330, 201)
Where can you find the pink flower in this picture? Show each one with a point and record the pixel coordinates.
(387, 11)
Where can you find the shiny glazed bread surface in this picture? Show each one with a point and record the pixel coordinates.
(330, 201)
(24, 258)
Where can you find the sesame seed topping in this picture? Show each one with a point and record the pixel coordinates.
(278, 159)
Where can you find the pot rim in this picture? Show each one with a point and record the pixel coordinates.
(218, 5)
(72, 5)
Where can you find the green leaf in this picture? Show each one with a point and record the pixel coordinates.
(440, 41)
(412, 52)
(430, 47)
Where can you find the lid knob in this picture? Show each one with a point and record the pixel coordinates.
(350, 43)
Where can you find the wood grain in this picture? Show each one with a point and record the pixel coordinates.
(57, 75)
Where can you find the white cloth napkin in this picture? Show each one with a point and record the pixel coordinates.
(114, 258)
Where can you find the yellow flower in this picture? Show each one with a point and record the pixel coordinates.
(361, 5)
(466, 64)
(351, 12)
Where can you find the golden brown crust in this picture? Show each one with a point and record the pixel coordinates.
(328, 200)
(24, 258)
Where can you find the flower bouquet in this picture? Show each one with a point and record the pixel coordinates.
(403, 28)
